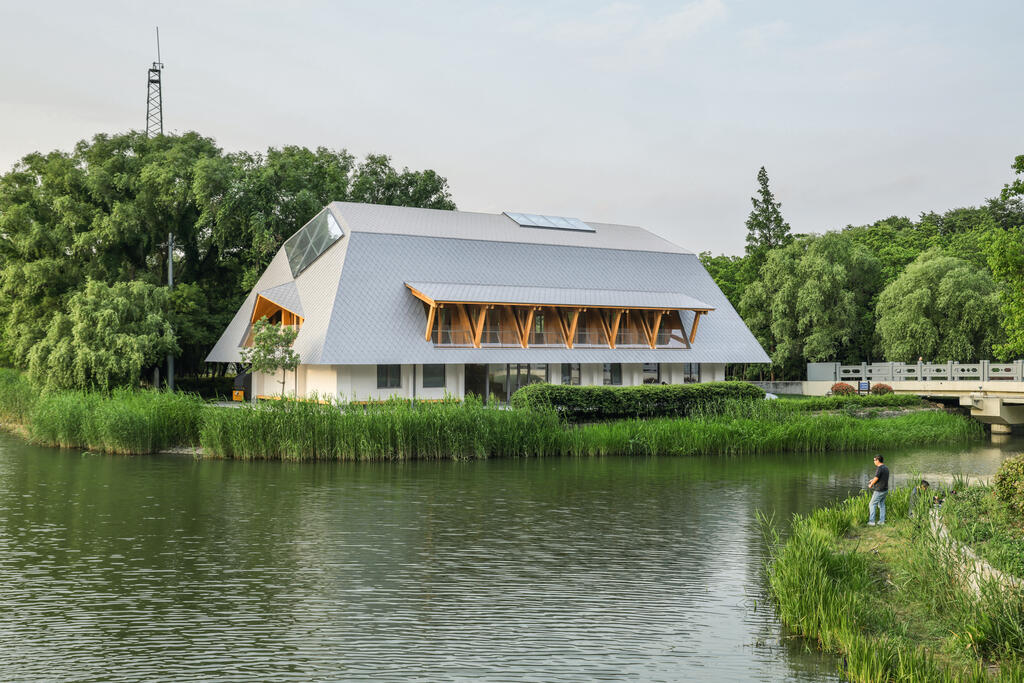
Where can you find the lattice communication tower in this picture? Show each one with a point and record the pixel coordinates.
(154, 97)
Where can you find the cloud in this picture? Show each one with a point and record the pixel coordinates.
(759, 37)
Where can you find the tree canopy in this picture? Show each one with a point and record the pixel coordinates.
(766, 229)
(941, 308)
(102, 213)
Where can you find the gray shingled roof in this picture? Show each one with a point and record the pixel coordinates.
(358, 309)
(554, 296)
(285, 296)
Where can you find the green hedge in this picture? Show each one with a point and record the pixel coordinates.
(579, 403)
(836, 402)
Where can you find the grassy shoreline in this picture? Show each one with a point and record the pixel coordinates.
(143, 422)
(893, 600)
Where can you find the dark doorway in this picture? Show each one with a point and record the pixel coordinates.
(476, 381)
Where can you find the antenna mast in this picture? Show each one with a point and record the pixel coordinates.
(154, 98)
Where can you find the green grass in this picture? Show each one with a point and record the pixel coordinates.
(127, 422)
(981, 521)
(293, 430)
(890, 599)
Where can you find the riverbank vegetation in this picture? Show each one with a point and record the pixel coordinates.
(894, 601)
(990, 519)
(301, 431)
(125, 421)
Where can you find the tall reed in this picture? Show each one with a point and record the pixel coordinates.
(126, 422)
(395, 430)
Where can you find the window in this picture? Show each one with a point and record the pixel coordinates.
(311, 240)
(389, 376)
(691, 372)
(433, 376)
(571, 373)
(613, 373)
(652, 373)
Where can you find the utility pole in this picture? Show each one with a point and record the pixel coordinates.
(170, 286)
(154, 96)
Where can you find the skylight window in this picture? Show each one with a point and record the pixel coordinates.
(532, 220)
(311, 240)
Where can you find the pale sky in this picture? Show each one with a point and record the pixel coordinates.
(647, 113)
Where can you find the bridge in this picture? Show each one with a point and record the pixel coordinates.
(994, 392)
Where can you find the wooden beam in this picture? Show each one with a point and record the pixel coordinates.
(655, 327)
(518, 325)
(574, 319)
(696, 319)
(431, 315)
(606, 329)
(527, 327)
(466, 325)
(478, 331)
(645, 327)
(562, 329)
(421, 296)
(615, 326)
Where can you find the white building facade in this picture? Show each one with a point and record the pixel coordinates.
(422, 303)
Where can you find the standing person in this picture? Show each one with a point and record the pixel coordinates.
(880, 486)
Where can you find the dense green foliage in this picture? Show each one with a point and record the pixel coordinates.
(102, 214)
(394, 430)
(109, 334)
(818, 297)
(940, 306)
(892, 603)
(991, 527)
(808, 301)
(579, 403)
(17, 397)
(128, 422)
(1009, 484)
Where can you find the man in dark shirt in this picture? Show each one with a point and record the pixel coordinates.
(880, 486)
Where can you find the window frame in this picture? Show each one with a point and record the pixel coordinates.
(386, 373)
(434, 367)
(608, 374)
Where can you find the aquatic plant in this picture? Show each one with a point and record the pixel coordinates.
(126, 422)
(298, 430)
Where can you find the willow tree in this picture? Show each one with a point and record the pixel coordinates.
(811, 302)
(941, 308)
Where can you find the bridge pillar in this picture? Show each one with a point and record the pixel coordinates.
(1001, 428)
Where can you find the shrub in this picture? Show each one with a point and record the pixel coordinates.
(843, 389)
(1009, 483)
(577, 403)
(881, 389)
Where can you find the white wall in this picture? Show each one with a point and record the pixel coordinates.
(454, 383)
(320, 380)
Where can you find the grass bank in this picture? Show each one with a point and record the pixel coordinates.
(312, 431)
(892, 600)
(854, 402)
(979, 520)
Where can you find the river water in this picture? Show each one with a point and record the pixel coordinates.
(166, 567)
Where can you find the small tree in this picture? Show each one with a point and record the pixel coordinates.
(271, 350)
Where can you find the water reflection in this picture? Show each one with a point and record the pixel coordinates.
(120, 568)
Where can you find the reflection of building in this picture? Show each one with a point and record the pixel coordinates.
(420, 302)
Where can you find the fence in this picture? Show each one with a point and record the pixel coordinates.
(983, 371)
